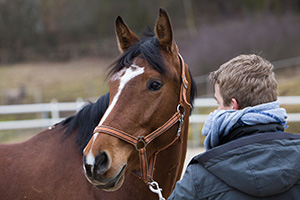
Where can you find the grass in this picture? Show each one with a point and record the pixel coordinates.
(64, 81)
(289, 85)
(12, 136)
(86, 78)
(289, 81)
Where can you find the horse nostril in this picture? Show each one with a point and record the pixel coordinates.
(87, 168)
(101, 163)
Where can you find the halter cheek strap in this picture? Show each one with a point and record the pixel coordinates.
(184, 84)
(141, 142)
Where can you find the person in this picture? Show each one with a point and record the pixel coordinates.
(248, 154)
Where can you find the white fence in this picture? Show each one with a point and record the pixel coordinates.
(50, 114)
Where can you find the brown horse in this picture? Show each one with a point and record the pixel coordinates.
(146, 124)
(49, 165)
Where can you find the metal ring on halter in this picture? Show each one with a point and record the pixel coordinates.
(154, 187)
(179, 109)
(140, 139)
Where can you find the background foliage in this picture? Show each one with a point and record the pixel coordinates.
(208, 32)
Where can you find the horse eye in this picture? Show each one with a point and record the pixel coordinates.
(154, 85)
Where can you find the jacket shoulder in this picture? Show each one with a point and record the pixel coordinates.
(248, 140)
(206, 184)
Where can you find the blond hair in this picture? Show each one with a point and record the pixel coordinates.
(247, 78)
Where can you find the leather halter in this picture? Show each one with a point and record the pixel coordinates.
(141, 142)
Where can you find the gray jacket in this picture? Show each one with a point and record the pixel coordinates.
(261, 166)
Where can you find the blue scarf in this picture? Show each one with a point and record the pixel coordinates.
(220, 122)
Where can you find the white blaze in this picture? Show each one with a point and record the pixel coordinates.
(125, 75)
(129, 74)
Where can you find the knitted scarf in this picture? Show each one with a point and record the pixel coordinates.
(220, 122)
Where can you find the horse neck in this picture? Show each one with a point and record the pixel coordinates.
(49, 149)
(26, 163)
(167, 173)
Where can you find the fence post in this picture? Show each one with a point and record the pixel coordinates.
(54, 111)
(79, 104)
(45, 115)
(196, 135)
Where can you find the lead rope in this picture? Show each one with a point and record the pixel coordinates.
(154, 187)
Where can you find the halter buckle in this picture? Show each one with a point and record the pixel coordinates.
(184, 82)
(140, 141)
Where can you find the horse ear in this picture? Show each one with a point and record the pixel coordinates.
(124, 35)
(164, 33)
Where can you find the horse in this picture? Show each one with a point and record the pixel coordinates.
(143, 133)
(56, 163)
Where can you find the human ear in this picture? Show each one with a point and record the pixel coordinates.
(234, 104)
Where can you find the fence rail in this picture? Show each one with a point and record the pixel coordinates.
(52, 109)
(50, 113)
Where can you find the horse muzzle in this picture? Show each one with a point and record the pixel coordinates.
(96, 174)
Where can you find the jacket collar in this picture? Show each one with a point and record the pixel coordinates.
(239, 131)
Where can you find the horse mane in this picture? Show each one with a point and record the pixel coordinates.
(86, 120)
(193, 93)
(89, 116)
(148, 47)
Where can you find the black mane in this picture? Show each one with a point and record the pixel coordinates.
(88, 118)
(148, 48)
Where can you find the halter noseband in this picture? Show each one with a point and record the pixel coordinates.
(141, 142)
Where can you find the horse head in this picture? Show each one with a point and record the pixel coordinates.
(150, 90)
